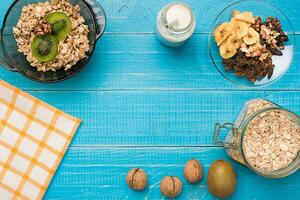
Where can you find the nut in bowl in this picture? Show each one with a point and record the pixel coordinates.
(251, 48)
(50, 41)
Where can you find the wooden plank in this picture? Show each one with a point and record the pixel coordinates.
(156, 118)
(140, 62)
(135, 16)
(129, 58)
(140, 16)
(99, 173)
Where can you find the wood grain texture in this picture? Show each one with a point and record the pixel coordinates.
(99, 173)
(136, 16)
(156, 118)
(140, 62)
(146, 105)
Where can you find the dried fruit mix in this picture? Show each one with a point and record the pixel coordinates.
(247, 44)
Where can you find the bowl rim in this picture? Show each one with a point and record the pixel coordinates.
(241, 85)
(16, 69)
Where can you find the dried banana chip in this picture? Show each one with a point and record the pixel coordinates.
(252, 37)
(240, 28)
(227, 50)
(233, 39)
(235, 13)
(222, 32)
(245, 17)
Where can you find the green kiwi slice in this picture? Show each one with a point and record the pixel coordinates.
(44, 48)
(61, 24)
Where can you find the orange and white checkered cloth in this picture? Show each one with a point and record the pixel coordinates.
(34, 137)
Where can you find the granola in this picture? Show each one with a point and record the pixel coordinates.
(70, 50)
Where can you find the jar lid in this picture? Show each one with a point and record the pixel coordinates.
(178, 18)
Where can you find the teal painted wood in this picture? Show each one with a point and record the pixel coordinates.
(140, 62)
(99, 173)
(138, 98)
(136, 16)
(156, 118)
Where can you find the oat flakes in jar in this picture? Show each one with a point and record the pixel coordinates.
(265, 137)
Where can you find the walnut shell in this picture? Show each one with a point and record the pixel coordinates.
(136, 179)
(170, 186)
(193, 171)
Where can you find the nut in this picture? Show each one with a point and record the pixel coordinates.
(193, 171)
(43, 28)
(252, 58)
(170, 186)
(263, 57)
(136, 179)
(70, 51)
(264, 32)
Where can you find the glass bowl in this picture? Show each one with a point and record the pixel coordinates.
(264, 10)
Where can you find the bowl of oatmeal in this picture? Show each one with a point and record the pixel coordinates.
(50, 40)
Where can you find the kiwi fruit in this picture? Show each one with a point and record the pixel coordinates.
(44, 48)
(221, 179)
(61, 24)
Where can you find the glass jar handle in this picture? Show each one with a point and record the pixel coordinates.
(99, 16)
(217, 132)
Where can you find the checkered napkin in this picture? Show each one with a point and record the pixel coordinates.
(33, 140)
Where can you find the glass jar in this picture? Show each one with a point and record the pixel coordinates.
(175, 24)
(234, 141)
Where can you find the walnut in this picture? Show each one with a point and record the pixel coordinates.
(29, 26)
(257, 50)
(264, 32)
(43, 28)
(136, 179)
(257, 25)
(193, 171)
(170, 186)
(263, 56)
(244, 48)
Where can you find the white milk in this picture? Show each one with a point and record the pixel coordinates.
(175, 24)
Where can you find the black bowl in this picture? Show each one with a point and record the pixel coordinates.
(13, 60)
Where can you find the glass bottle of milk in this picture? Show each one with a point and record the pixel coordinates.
(175, 24)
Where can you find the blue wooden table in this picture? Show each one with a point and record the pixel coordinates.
(145, 105)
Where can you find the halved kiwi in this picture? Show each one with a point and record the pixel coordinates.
(44, 48)
(61, 24)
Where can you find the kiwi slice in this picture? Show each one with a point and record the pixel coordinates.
(44, 48)
(61, 24)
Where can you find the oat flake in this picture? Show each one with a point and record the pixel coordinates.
(271, 141)
(70, 51)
